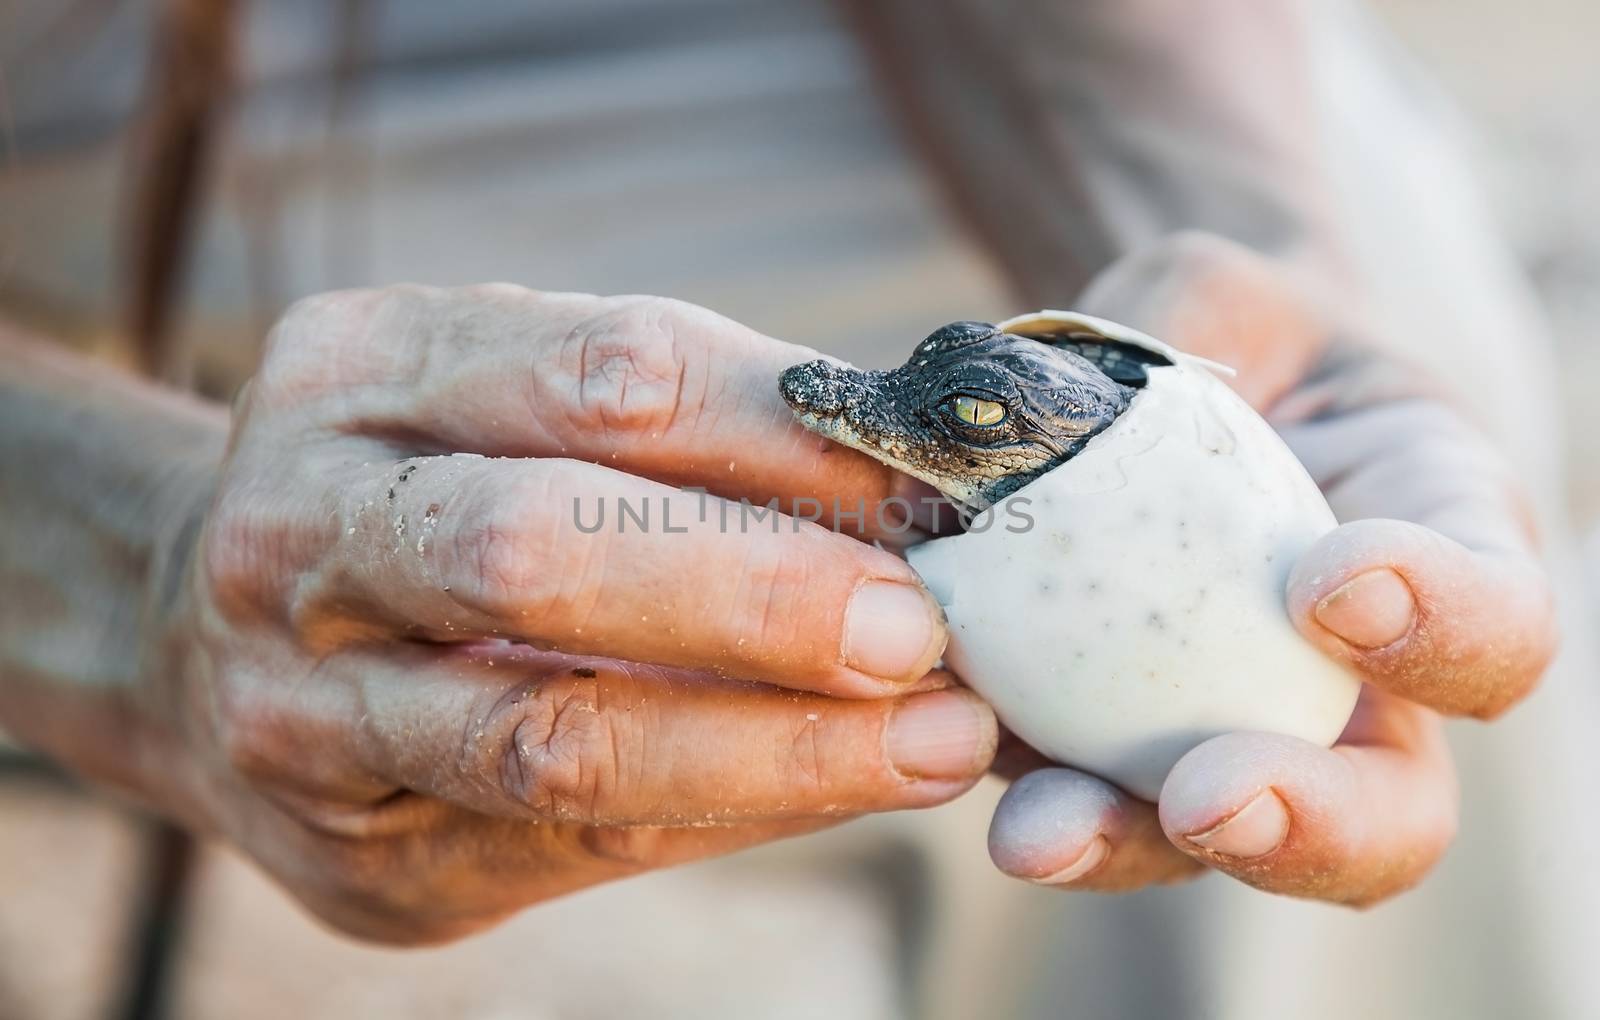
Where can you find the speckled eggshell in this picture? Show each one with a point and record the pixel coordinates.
(1143, 613)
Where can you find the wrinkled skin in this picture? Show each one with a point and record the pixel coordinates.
(368, 643)
(1054, 399)
(1431, 591)
(342, 680)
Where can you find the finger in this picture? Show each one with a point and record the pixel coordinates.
(470, 871)
(587, 559)
(1451, 610)
(1015, 758)
(1409, 459)
(651, 386)
(1215, 298)
(1352, 825)
(1060, 827)
(1422, 616)
(1465, 623)
(620, 744)
(632, 849)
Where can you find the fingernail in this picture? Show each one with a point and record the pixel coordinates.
(1099, 849)
(895, 631)
(1254, 830)
(1371, 610)
(940, 735)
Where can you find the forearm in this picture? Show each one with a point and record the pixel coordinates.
(1070, 134)
(102, 481)
(1073, 134)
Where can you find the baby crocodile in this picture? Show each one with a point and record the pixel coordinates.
(975, 412)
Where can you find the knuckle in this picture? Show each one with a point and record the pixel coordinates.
(399, 891)
(1189, 284)
(330, 341)
(774, 582)
(230, 554)
(361, 875)
(312, 310)
(305, 326)
(357, 867)
(405, 297)
(563, 753)
(497, 292)
(804, 760)
(627, 367)
(225, 559)
(1211, 275)
(634, 846)
(1201, 250)
(247, 729)
(1206, 277)
(255, 536)
(384, 918)
(501, 561)
(501, 545)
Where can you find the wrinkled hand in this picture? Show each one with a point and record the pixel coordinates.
(1431, 592)
(403, 678)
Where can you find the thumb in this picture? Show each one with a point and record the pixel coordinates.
(1209, 296)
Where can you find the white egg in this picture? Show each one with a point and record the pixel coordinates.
(1129, 604)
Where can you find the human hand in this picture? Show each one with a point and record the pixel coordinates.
(399, 675)
(1432, 592)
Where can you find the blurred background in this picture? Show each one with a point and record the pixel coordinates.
(567, 145)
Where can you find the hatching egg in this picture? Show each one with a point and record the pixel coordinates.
(1128, 604)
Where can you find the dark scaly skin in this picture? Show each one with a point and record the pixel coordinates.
(1055, 400)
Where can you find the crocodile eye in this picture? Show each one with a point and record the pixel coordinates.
(977, 411)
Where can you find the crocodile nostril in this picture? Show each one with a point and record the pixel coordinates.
(792, 386)
(812, 387)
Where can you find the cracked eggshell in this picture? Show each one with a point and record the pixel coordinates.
(1142, 612)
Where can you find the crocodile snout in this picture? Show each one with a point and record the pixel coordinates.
(817, 387)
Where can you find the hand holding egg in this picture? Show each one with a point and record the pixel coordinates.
(1230, 622)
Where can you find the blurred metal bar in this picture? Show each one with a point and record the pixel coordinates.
(24, 766)
(191, 71)
(157, 924)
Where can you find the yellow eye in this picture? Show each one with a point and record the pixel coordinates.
(974, 411)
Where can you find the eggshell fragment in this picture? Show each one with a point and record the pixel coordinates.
(1141, 612)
